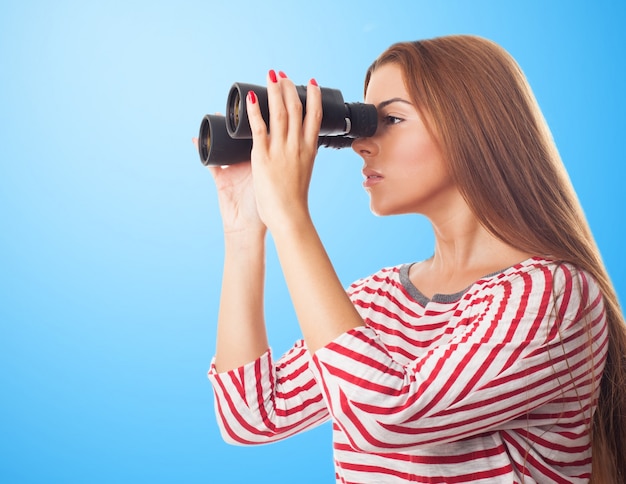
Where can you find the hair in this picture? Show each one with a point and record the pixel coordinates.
(479, 107)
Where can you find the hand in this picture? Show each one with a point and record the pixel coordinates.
(236, 198)
(282, 160)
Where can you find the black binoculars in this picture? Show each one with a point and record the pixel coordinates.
(224, 140)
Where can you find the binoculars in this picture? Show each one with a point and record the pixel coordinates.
(225, 140)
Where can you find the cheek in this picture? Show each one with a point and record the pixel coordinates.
(418, 159)
(422, 172)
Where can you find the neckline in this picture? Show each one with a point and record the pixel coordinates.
(416, 294)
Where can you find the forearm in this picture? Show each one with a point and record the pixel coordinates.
(322, 306)
(241, 334)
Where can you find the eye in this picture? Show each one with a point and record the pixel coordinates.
(389, 120)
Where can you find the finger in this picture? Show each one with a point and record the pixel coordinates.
(314, 113)
(257, 123)
(278, 113)
(195, 142)
(294, 108)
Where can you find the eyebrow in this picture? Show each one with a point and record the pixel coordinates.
(391, 101)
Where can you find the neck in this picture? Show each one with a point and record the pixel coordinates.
(463, 245)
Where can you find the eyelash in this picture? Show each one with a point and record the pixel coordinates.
(390, 120)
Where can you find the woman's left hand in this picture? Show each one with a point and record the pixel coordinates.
(282, 159)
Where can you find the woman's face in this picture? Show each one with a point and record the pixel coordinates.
(404, 169)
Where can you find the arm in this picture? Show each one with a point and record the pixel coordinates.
(282, 163)
(322, 306)
(241, 334)
(257, 400)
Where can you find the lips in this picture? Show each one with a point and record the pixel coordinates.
(372, 177)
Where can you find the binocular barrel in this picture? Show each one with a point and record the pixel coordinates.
(215, 145)
(224, 140)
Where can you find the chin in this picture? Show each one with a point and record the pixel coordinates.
(385, 210)
(382, 211)
(376, 210)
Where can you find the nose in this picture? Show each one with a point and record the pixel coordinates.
(365, 147)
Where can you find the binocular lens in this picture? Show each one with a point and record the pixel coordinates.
(204, 139)
(233, 113)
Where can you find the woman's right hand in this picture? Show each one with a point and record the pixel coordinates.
(236, 197)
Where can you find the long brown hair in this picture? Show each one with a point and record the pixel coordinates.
(501, 154)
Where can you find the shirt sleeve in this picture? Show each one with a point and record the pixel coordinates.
(527, 352)
(263, 401)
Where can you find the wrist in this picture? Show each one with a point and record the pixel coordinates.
(245, 238)
(294, 220)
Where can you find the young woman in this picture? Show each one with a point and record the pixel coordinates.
(499, 359)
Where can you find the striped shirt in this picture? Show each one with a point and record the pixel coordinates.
(494, 384)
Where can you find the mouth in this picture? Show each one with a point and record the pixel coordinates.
(371, 177)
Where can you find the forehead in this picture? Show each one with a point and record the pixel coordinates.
(386, 82)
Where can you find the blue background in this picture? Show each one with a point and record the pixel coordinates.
(110, 240)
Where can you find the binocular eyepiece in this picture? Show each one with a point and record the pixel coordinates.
(225, 140)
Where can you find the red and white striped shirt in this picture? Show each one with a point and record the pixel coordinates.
(494, 384)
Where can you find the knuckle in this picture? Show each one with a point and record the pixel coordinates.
(317, 115)
(280, 115)
(295, 106)
(258, 129)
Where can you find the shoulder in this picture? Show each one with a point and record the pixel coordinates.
(542, 272)
(545, 282)
(385, 277)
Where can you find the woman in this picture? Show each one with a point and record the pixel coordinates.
(499, 359)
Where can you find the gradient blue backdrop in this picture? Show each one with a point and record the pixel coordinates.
(110, 242)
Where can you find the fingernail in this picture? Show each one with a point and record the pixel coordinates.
(273, 76)
(251, 97)
(282, 74)
(314, 82)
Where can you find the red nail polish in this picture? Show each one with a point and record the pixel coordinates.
(314, 82)
(273, 76)
(282, 74)
(252, 97)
